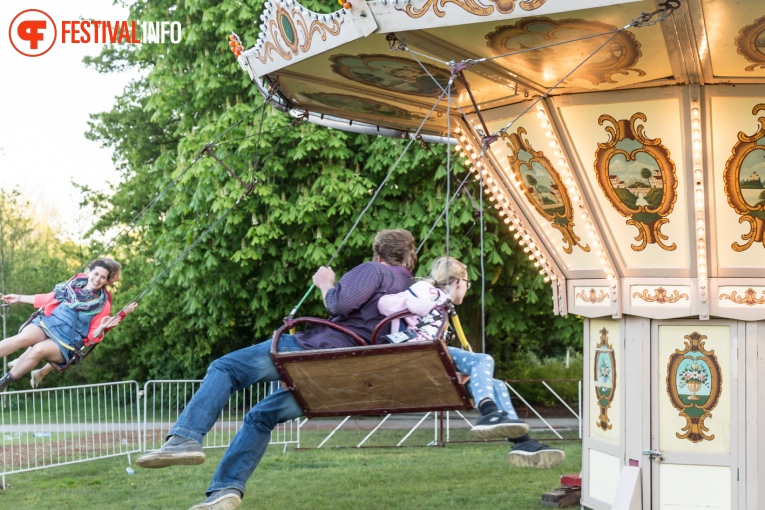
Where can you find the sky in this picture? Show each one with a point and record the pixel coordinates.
(45, 106)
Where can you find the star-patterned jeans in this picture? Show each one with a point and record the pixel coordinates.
(482, 385)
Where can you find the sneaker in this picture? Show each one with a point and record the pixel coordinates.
(35, 378)
(12, 362)
(226, 499)
(177, 451)
(536, 455)
(499, 425)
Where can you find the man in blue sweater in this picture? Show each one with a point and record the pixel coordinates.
(351, 302)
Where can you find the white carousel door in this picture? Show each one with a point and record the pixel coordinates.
(695, 416)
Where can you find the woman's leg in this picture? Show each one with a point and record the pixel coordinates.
(28, 336)
(46, 350)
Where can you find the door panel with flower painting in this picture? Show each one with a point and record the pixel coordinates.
(695, 391)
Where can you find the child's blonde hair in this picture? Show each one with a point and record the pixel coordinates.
(446, 270)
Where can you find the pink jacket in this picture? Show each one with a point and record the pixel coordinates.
(49, 303)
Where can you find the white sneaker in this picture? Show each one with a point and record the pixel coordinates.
(12, 362)
(35, 378)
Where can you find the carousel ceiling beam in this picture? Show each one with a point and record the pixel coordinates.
(679, 35)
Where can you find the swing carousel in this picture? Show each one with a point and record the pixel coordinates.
(623, 144)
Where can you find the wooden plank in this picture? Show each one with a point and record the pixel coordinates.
(374, 380)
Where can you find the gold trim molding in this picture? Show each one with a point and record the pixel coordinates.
(660, 296)
(749, 298)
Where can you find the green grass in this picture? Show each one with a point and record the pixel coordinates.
(464, 476)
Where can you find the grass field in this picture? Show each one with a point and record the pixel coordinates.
(466, 476)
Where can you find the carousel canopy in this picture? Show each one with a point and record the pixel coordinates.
(622, 142)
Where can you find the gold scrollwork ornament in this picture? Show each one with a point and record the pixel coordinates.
(660, 296)
(287, 27)
(751, 208)
(647, 203)
(592, 296)
(746, 44)
(749, 298)
(550, 198)
(474, 7)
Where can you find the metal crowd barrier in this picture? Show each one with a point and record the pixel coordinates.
(55, 427)
(58, 426)
(163, 402)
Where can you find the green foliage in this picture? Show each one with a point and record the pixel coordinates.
(32, 257)
(234, 288)
(529, 366)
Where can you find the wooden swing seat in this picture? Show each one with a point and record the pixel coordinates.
(371, 379)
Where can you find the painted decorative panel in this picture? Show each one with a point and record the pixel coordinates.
(695, 382)
(684, 487)
(526, 161)
(736, 38)
(421, 14)
(507, 42)
(739, 180)
(605, 380)
(632, 155)
(732, 296)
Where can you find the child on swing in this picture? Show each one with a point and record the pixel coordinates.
(448, 279)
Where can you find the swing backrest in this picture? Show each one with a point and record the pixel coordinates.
(374, 379)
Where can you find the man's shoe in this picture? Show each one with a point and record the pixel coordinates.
(499, 425)
(536, 455)
(35, 378)
(226, 499)
(177, 451)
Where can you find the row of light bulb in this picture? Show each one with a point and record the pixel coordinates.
(474, 161)
(698, 196)
(564, 170)
(269, 8)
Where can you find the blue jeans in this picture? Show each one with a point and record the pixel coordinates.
(226, 375)
(482, 385)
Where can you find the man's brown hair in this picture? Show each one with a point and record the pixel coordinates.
(396, 247)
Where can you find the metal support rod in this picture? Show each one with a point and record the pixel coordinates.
(413, 429)
(561, 400)
(374, 430)
(534, 411)
(208, 150)
(333, 432)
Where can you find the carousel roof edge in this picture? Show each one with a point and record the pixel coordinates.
(290, 33)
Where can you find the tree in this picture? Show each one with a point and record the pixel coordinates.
(32, 258)
(234, 288)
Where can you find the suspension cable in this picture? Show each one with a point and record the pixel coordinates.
(371, 200)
